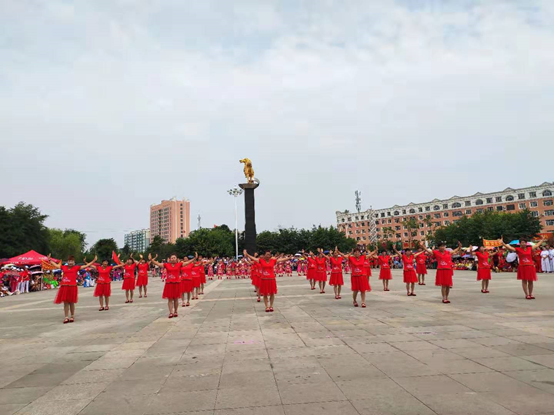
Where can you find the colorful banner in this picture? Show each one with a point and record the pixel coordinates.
(492, 243)
(115, 258)
(47, 266)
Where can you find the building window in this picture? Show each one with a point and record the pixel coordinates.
(532, 194)
(438, 223)
(420, 209)
(468, 211)
(548, 202)
(511, 207)
(398, 235)
(445, 206)
(389, 214)
(489, 199)
(342, 220)
(422, 233)
(362, 224)
(550, 223)
(406, 234)
(548, 213)
(456, 205)
(357, 218)
(397, 221)
(535, 214)
(383, 214)
(547, 193)
(396, 213)
(447, 222)
(446, 214)
(509, 198)
(377, 222)
(403, 211)
(457, 213)
(468, 202)
(534, 204)
(490, 209)
(361, 217)
(436, 207)
(479, 211)
(437, 215)
(427, 208)
(499, 208)
(499, 198)
(397, 228)
(521, 196)
(389, 220)
(522, 206)
(478, 202)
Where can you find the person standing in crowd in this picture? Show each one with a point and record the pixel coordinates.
(336, 280)
(358, 277)
(551, 257)
(187, 285)
(526, 272)
(445, 271)
(172, 287)
(268, 283)
(68, 293)
(312, 268)
(24, 281)
(421, 266)
(129, 279)
(385, 273)
(545, 260)
(410, 276)
(483, 266)
(103, 288)
(195, 273)
(321, 272)
(142, 278)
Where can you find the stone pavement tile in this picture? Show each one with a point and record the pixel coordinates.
(414, 345)
(434, 355)
(491, 382)
(72, 392)
(283, 341)
(62, 367)
(370, 389)
(495, 341)
(394, 338)
(257, 365)
(79, 357)
(531, 339)
(250, 346)
(114, 363)
(401, 403)
(146, 372)
(544, 360)
(257, 410)
(542, 379)
(454, 344)
(538, 402)
(159, 360)
(10, 409)
(374, 348)
(344, 372)
(201, 360)
(191, 382)
(72, 407)
(302, 375)
(504, 364)
(479, 352)
(134, 346)
(197, 370)
(240, 355)
(431, 385)
(321, 408)
(458, 366)
(323, 342)
(246, 379)
(548, 345)
(94, 376)
(522, 349)
(309, 392)
(394, 368)
(22, 395)
(135, 387)
(341, 332)
(105, 404)
(464, 404)
(214, 349)
(40, 379)
(168, 402)
(247, 397)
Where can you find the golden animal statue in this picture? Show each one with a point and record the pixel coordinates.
(248, 170)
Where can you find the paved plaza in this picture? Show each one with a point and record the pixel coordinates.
(481, 354)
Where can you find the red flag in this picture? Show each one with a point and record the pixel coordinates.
(115, 258)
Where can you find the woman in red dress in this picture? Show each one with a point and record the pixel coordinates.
(321, 271)
(172, 287)
(421, 266)
(336, 280)
(410, 276)
(483, 266)
(358, 277)
(312, 269)
(68, 293)
(385, 274)
(142, 278)
(445, 272)
(202, 273)
(526, 271)
(103, 288)
(195, 272)
(268, 284)
(129, 279)
(255, 276)
(187, 286)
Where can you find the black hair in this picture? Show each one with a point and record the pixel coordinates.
(441, 243)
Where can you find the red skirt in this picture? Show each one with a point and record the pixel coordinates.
(483, 274)
(421, 269)
(367, 271)
(336, 279)
(321, 276)
(142, 280)
(410, 276)
(526, 273)
(202, 278)
(444, 277)
(360, 283)
(186, 286)
(196, 282)
(268, 286)
(385, 274)
(128, 284)
(310, 275)
(67, 294)
(103, 290)
(256, 279)
(172, 290)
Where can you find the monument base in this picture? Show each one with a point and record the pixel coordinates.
(249, 216)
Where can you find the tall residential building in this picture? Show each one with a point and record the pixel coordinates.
(170, 220)
(372, 225)
(138, 241)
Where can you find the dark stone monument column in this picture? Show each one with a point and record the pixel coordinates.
(250, 216)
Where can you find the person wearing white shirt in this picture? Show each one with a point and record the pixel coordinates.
(551, 257)
(545, 260)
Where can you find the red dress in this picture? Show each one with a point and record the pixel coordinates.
(410, 275)
(384, 265)
(68, 293)
(129, 277)
(202, 274)
(268, 285)
(336, 271)
(172, 288)
(367, 267)
(142, 278)
(483, 266)
(358, 277)
(104, 282)
(255, 272)
(526, 270)
(195, 273)
(186, 279)
(312, 266)
(444, 268)
(321, 272)
(421, 264)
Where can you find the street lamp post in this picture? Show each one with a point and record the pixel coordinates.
(236, 192)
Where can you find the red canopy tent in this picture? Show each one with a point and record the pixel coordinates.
(28, 258)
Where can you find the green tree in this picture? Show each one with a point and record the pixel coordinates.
(412, 226)
(67, 242)
(22, 229)
(103, 248)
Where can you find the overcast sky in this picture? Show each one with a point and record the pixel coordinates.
(109, 106)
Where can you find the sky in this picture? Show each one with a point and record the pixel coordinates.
(107, 107)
